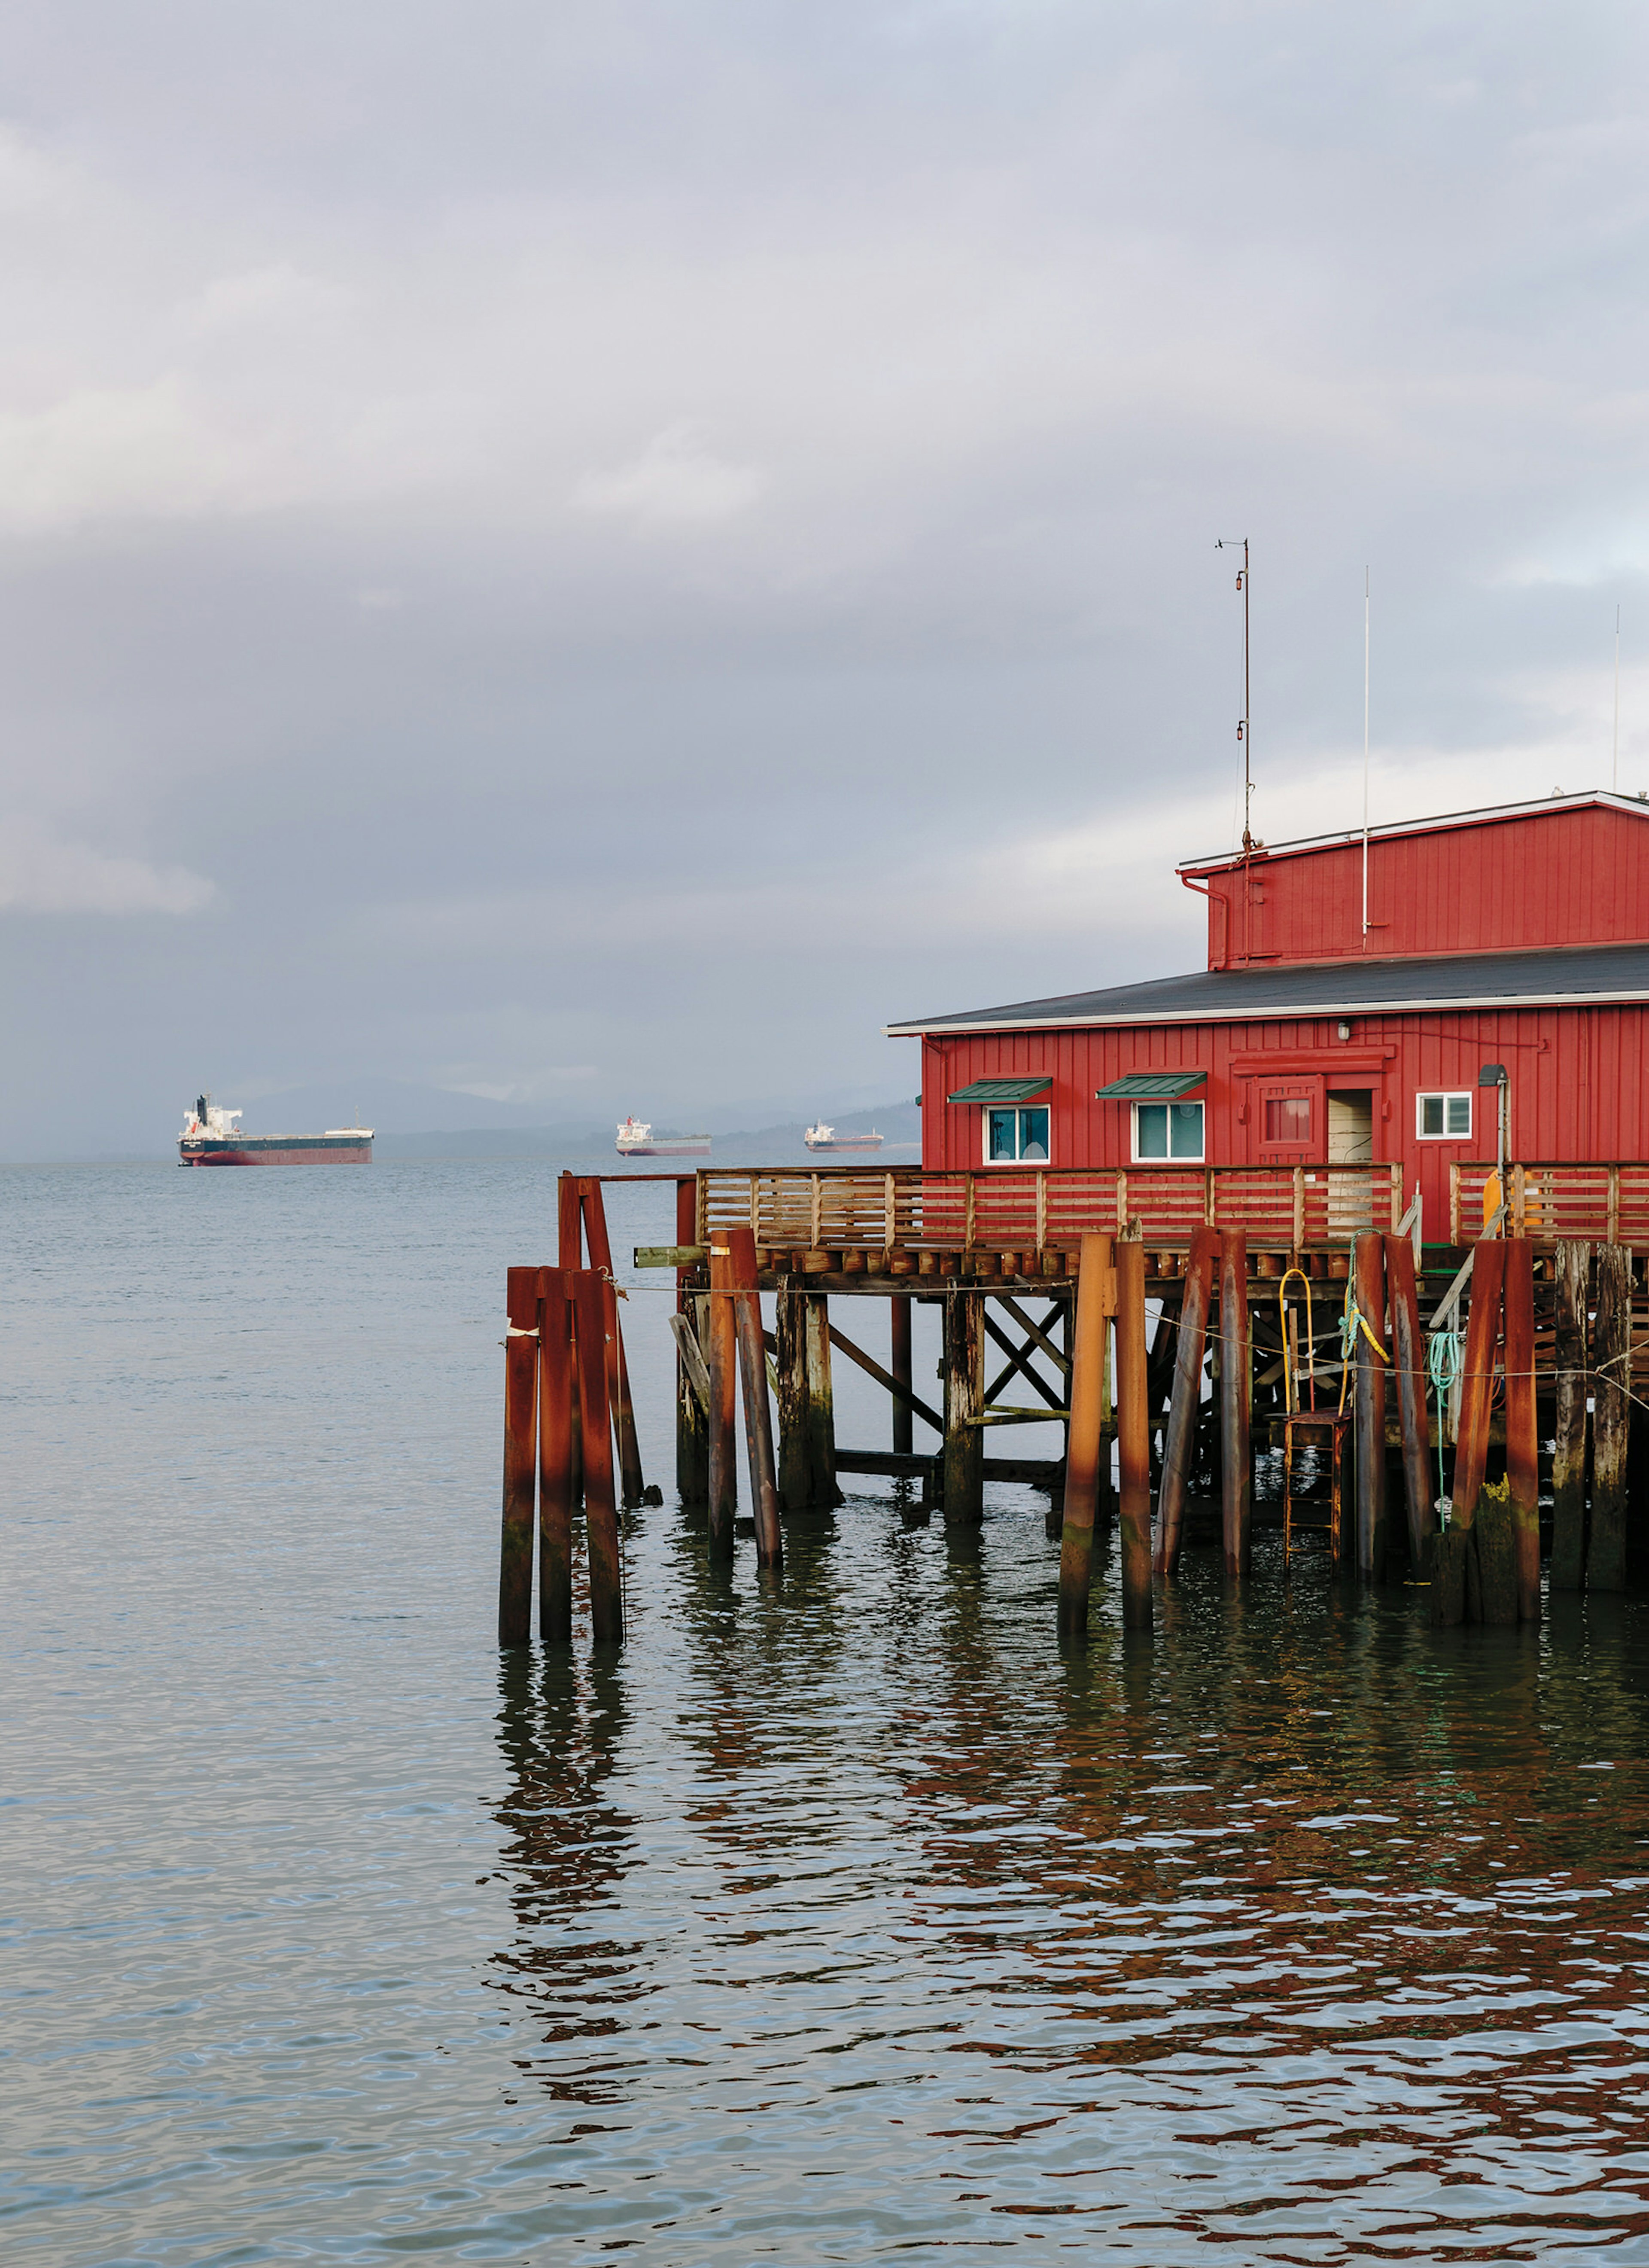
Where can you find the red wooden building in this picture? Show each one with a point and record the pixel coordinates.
(1347, 1011)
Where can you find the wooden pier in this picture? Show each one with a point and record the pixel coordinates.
(1173, 1322)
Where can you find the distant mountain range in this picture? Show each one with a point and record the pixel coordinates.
(782, 1144)
(428, 1121)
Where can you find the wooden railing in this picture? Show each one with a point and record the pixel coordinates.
(1601, 1205)
(1025, 1209)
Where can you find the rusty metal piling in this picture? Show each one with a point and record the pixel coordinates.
(520, 1412)
(1096, 1301)
(557, 1385)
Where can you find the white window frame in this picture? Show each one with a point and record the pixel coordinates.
(1036, 1165)
(1197, 1102)
(1445, 1096)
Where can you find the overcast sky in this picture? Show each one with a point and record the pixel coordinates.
(597, 555)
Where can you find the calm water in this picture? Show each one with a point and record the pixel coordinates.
(839, 1921)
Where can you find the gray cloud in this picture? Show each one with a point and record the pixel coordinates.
(603, 554)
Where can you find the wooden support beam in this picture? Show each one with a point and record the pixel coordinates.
(692, 1374)
(790, 1362)
(724, 1394)
(594, 1213)
(758, 1416)
(1370, 1428)
(1035, 1334)
(570, 1255)
(1408, 1355)
(520, 1444)
(557, 1383)
(822, 1408)
(1606, 1547)
(1185, 1399)
(1018, 1359)
(591, 1306)
(1483, 1337)
(874, 1369)
(899, 1325)
(1522, 1437)
(1095, 1279)
(1236, 1396)
(964, 1384)
(1572, 1386)
(1133, 1436)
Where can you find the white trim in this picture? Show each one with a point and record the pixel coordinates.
(985, 1109)
(1445, 1095)
(1165, 1102)
(1486, 814)
(1296, 1012)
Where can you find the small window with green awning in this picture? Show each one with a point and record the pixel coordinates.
(1166, 1127)
(1003, 1090)
(1152, 1087)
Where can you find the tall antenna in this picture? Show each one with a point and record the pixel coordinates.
(1613, 777)
(1243, 732)
(1366, 752)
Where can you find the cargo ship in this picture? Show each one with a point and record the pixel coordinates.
(212, 1137)
(636, 1139)
(826, 1138)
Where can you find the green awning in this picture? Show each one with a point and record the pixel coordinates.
(1003, 1090)
(1151, 1087)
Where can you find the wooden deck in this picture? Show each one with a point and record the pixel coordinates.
(905, 1221)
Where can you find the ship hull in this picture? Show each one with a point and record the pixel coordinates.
(276, 1150)
(664, 1150)
(820, 1148)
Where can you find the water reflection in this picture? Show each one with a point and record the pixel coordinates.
(1300, 1928)
(567, 1847)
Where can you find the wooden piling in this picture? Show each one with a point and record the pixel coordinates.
(1185, 1402)
(1095, 1303)
(1494, 1539)
(1522, 1435)
(1133, 1437)
(1477, 1390)
(601, 1509)
(758, 1417)
(570, 1256)
(964, 1396)
(557, 1387)
(692, 1419)
(520, 1412)
(1408, 1357)
(723, 1358)
(594, 1213)
(1236, 1401)
(822, 1409)
(1370, 1430)
(1606, 1547)
(1568, 1464)
(899, 1363)
(790, 1360)
(1446, 1552)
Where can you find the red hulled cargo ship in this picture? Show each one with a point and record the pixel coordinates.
(210, 1136)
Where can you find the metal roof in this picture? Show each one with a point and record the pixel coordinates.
(1562, 976)
(1151, 1085)
(1004, 1090)
(1634, 806)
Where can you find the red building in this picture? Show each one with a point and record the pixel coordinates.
(1347, 1009)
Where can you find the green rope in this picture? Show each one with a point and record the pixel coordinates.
(1445, 1354)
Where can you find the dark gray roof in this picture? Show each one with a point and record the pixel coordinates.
(1550, 977)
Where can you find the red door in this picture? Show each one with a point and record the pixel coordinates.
(1286, 1121)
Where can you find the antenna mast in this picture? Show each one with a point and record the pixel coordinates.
(1243, 732)
(1366, 752)
(1613, 778)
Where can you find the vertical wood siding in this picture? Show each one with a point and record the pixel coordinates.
(1577, 876)
(1578, 1085)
